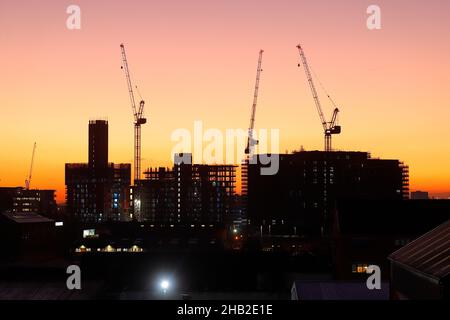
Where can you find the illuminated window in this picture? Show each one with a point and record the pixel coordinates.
(359, 267)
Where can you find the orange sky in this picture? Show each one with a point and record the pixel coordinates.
(196, 60)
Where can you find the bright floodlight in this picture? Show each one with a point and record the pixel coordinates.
(234, 230)
(164, 284)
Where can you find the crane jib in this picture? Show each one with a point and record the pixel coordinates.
(329, 127)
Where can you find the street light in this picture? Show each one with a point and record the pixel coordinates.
(165, 284)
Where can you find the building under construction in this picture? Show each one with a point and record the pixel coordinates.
(300, 198)
(187, 194)
(98, 190)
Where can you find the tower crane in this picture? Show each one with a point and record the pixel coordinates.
(251, 142)
(330, 127)
(138, 118)
(28, 180)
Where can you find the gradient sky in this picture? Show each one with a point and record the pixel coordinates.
(196, 60)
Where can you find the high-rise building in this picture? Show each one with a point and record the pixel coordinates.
(211, 194)
(189, 194)
(98, 146)
(157, 199)
(98, 190)
(300, 197)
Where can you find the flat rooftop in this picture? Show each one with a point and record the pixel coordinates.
(26, 217)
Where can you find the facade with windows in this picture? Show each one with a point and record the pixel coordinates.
(36, 201)
(187, 194)
(299, 199)
(90, 199)
(98, 191)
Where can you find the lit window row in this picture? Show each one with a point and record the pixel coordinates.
(359, 267)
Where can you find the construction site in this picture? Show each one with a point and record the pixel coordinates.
(325, 175)
(312, 219)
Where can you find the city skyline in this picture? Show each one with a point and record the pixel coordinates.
(194, 64)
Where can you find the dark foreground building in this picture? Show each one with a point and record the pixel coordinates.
(26, 234)
(98, 190)
(332, 290)
(366, 232)
(421, 269)
(300, 197)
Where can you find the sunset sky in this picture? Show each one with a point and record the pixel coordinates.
(196, 60)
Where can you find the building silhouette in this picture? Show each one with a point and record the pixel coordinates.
(419, 195)
(365, 232)
(98, 147)
(420, 270)
(26, 234)
(157, 196)
(6, 198)
(300, 197)
(98, 190)
(187, 194)
(21, 200)
(36, 201)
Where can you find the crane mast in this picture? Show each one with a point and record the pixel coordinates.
(331, 127)
(138, 118)
(28, 180)
(251, 142)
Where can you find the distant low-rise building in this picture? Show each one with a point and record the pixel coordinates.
(419, 195)
(18, 199)
(6, 198)
(35, 200)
